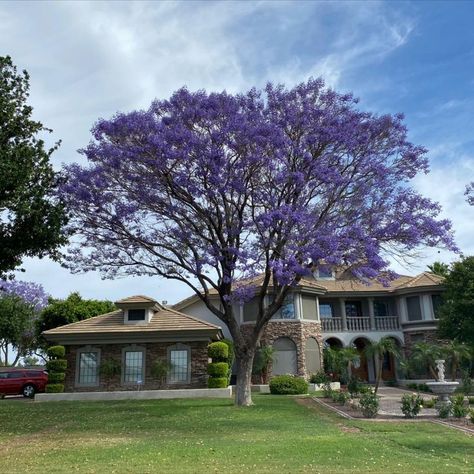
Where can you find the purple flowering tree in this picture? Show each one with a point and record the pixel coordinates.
(210, 189)
(470, 193)
(20, 305)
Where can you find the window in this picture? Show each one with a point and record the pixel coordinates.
(251, 310)
(88, 365)
(136, 315)
(309, 307)
(325, 310)
(3, 375)
(133, 366)
(313, 356)
(16, 375)
(324, 272)
(287, 310)
(414, 308)
(380, 308)
(436, 301)
(179, 360)
(353, 309)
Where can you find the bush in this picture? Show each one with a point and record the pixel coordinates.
(458, 408)
(56, 352)
(391, 383)
(54, 388)
(471, 415)
(56, 377)
(369, 404)
(412, 386)
(217, 382)
(444, 410)
(327, 390)
(56, 365)
(354, 386)
(429, 403)
(422, 387)
(288, 385)
(230, 349)
(218, 369)
(110, 368)
(411, 405)
(342, 397)
(319, 377)
(159, 369)
(466, 383)
(471, 400)
(218, 351)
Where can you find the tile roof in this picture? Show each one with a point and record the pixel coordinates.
(163, 320)
(136, 299)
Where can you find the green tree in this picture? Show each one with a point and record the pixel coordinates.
(455, 353)
(70, 310)
(424, 356)
(386, 345)
(439, 268)
(263, 361)
(31, 217)
(456, 319)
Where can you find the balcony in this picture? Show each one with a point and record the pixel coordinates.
(358, 324)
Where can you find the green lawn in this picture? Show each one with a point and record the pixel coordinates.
(277, 435)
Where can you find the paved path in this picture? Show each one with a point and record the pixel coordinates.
(390, 398)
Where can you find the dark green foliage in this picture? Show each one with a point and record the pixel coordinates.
(27, 179)
(217, 382)
(319, 377)
(444, 410)
(327, 390)
(429, 403)
(56, 352)
(354, 386)
(160, 369)
(458, 407)
(422, 387)
(56, 365)
(262, 362)
(110, 368)
(412, 386)
(74, 308)
(230, 347)
(411, 405)
(54, 388)
(439, 268)
(369, 403)
(218, 369)
(56, 377)
(455, 315)
(471, 400)
(288, 385)
(218, 351)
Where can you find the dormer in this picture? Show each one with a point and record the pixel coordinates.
(137, 309)
(324, 272)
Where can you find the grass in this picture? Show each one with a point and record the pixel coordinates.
(278, 434)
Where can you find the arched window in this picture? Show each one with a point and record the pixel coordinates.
(284, 359)
(313, 356)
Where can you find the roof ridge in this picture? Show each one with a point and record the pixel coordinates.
(84, 320)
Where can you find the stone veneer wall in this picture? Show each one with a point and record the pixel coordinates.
(429, 336)
(296, 330)
(153, 351)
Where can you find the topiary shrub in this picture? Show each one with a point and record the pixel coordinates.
(54, 388)
(56, 377)
(218, 369)
(56, 352)
(217, 382)
(218, 351)
(56, 365)
(288, 385)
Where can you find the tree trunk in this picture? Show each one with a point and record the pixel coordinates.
(243, 395)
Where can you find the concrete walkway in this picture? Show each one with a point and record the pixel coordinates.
(390, 398)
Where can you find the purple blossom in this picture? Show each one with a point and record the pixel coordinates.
(31, 293)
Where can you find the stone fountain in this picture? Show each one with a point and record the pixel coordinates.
(442, 388)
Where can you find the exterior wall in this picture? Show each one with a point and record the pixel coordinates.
(412, 338)
(199, 310)
(153, 351)
(296, 330)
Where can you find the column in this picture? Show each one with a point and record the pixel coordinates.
(318, 316)
(343, 313)
(372, 314)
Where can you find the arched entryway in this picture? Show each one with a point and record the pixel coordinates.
(284, 359)
(360, 369)
(312, 356)
(333, 343)
(389, 366)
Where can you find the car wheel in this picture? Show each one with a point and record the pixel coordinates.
(29, 391)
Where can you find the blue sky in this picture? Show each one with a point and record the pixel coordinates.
(88, 60)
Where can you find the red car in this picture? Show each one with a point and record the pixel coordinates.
(24, 382)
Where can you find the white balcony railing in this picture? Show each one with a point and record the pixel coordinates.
(358, 324)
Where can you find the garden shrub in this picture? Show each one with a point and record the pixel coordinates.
(327, 390)
(218, 351)
(444, 410)
(471, 400)
(369, 404)
(160, 369)
(218, 369)
(411, 405)
(471, 415)
(391, 383)
(56, 352)
(422, 387)
(54, 388)
(319, 377)
(342, 397)
(429, 403)
(217, 382)
(458, 408)
(288, 385)
(56, 377)
(354, 386)
(412, 386)
(467, 385)
(56, 365)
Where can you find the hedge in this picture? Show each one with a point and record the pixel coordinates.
(56, 352)
(56, 377)
(218, 369)
(217, 382)
(54, 388)
(218, 351)
(56, 365)
(288, 385)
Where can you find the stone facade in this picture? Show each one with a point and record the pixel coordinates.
(153, 351)
(298, 331)
(423, 335)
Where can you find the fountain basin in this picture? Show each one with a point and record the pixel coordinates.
(443, 389)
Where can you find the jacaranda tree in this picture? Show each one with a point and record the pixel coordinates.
(207, 189)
